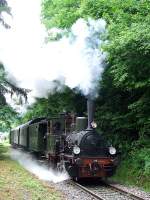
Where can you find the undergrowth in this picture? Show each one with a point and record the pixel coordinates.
(134, 168)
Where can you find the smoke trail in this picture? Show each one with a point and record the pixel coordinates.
(78, 58)
(81, 59)
(41, 171)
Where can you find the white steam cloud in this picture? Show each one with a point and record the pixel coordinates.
(77, 60)
(41, 171)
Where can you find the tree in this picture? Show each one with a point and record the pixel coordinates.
(7, 114)
(7, 87)
(60, 14)
(65, 100)
(8, 117)
(123, 98)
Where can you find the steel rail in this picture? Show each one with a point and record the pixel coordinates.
(124, 192)
(88, 191)
(116, 189)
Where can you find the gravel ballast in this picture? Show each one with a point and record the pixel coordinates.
(133, 190)
(72, 192)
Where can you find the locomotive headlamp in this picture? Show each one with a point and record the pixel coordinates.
(112, 150)
(76, 149)
(94, 125)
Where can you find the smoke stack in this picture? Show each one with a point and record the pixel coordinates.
(90, 110)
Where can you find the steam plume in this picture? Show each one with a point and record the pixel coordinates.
(41, 171)
(78, 59)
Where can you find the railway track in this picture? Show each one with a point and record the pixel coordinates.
(105, 191)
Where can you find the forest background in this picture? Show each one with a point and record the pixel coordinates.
(123, 105)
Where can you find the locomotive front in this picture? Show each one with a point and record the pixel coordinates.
(90, 155)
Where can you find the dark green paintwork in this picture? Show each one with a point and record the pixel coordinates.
(37, 137)
(23, 140)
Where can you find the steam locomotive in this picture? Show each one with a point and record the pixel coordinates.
(70, 143)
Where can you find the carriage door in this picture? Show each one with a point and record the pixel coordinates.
(43, 132)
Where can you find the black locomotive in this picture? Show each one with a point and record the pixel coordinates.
(70, 143)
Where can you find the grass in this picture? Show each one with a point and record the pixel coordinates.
(18, 184)
(126, 174)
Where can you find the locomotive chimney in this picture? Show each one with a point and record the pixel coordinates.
(90, 110)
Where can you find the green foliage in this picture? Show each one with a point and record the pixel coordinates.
(124, 102)
(131, 68)
(57, 13)
(63, 14)
(7, 87)
(66, 100)
(138, 161)
(8, 115)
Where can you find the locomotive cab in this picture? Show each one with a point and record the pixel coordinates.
(58, 129)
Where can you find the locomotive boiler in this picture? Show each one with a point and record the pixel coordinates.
(70, 143)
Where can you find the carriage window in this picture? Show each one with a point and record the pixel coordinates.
(57, 127)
